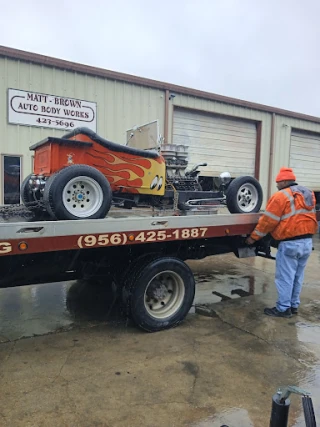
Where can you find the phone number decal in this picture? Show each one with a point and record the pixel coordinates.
(117, 239)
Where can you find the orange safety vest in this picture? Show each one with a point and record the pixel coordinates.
(290, 213)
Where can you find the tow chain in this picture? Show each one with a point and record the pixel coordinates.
(175, 196)
(7, 212)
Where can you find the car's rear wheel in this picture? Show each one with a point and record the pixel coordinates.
(31, 200)
(77, 192)
(25, 191)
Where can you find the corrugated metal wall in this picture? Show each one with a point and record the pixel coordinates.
(284, 128)
(229, 110)
(305, 158)
(224, 143)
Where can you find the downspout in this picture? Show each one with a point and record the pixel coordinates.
(273, 120)
(166, 117)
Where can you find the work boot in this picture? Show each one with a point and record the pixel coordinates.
(276, 313)
(294, 310)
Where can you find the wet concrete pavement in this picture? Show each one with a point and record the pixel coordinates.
(68, 358)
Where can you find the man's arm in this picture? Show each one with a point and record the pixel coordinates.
(269, 220)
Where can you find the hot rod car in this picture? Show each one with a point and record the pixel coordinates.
(81, 174)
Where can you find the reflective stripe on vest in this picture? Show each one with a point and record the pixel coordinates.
(294, 211)
(271, 215)
(259, 233)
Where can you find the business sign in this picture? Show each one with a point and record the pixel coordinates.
(51, 111)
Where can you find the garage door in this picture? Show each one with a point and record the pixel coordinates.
(305, 158)
(224, 144)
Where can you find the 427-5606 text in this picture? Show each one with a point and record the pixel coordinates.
(55, 122)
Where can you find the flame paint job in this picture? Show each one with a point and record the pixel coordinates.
(128, 173)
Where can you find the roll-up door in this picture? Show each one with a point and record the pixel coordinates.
(225, 144)
(305, 158)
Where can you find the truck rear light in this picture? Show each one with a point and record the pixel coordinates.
(22, 246)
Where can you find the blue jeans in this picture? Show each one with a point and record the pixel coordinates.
(291, 260)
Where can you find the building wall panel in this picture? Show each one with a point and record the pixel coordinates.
(284, 128)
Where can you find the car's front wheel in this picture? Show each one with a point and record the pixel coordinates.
(244, 195)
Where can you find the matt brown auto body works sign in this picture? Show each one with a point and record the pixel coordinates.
(59, 112)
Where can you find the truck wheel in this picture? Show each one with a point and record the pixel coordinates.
(91, 298)
(159, 293)
(244, 195)
(77, 192)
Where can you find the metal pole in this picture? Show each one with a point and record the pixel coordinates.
(279, 411)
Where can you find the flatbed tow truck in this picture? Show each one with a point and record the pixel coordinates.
(141, 258)
(140, 254)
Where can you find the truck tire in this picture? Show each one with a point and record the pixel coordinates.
(77, 192)
(159, 293)
(244, 195)
(92, 298)
(127, 274)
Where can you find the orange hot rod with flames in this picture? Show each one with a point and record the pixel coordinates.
(80, 175)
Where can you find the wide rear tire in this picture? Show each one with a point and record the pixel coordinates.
(77, 192)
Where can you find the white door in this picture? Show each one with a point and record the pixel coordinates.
(225, 144)
(305, 158)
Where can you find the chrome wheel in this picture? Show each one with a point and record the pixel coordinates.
(164, 294)
(247, 197)
(82, 196)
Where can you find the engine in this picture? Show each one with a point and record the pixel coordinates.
(176, 158)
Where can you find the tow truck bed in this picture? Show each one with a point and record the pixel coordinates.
(23, 237)
(140, 257)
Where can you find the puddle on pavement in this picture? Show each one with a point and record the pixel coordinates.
(41, 309)
(212, 288)
(308, 336)
(308, 333)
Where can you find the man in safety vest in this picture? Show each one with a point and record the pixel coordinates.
(290, 218)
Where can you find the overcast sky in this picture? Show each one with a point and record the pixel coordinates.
(265, 51)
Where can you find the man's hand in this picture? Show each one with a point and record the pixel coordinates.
(250, 241)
